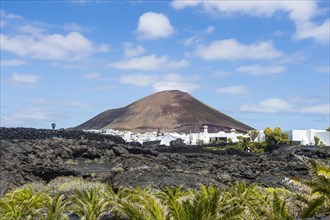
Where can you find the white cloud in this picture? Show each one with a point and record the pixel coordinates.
(30, 114)
(13, 62)
(31, 117)
(131, 51)
(221, 73)
(80, 2)
(316, 109)
(154, 25)
(300, 12)
(173, 77)
(230, 49)
(261, 70)
(320, 33)
(234, 90)
(210, 29)
(148, 62)
(42, 101)
(27, 79)
(169, 81)
(323, 69)
(279, 33)
(194, 40)
(293, 58)
(198, 36)
(75, 27)
(93, 75)
(138, 79)
(67, 103)
(31, 29)
(271, 105)
(6, 17)
(289, 105)
(33, 40)
(183, 86)
(72, 46)
(84, 2)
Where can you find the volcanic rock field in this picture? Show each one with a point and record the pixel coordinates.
(28, 155)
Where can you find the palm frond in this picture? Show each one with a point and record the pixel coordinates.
(89, 203)
(280, 211)
(312, 208)
(133, 211)
(55, 207)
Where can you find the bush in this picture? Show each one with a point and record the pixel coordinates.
(276, 137)
(237, 201)
(316, 140)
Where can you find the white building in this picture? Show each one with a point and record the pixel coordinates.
(166, 140)
(205, 137)
(306, 137)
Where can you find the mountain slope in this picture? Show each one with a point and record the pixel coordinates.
(170, 110)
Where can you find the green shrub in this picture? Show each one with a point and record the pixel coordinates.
(317, 140)
(239, 200)
(276, 137)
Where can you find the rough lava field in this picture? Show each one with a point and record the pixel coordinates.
(41, 155)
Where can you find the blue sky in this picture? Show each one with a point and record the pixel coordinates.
(265, 63)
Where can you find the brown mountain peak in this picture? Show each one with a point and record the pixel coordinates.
(170, 110)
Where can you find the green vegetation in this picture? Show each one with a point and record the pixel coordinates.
(328, 129)
(254, 134)
(245, 144)
(272, 137)
(317, 140)
(199, 142)
(276, 137)
(306, 198)
(313, 195)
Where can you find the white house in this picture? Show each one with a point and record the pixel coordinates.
(206, 137)
(306, 137)
(166, 140)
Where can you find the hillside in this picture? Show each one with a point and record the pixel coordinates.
(170, 110)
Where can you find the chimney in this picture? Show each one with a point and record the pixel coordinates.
(205, 129)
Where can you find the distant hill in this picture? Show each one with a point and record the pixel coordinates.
(168, 111)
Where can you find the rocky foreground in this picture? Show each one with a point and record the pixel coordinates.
(28, 155)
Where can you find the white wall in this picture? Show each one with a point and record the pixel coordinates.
(324, 136)
(166, 140)
(306, 137)
(303, 136)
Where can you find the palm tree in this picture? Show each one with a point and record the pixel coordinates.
(314, 193)
(202, 204)
(138, 204)
(147, 198)
(240, 200)
(279, 209)
(113, 200)
(89, 203)
(22, 203)
(55, 207)
(244, 143)
(172, 197)
(253, 134)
